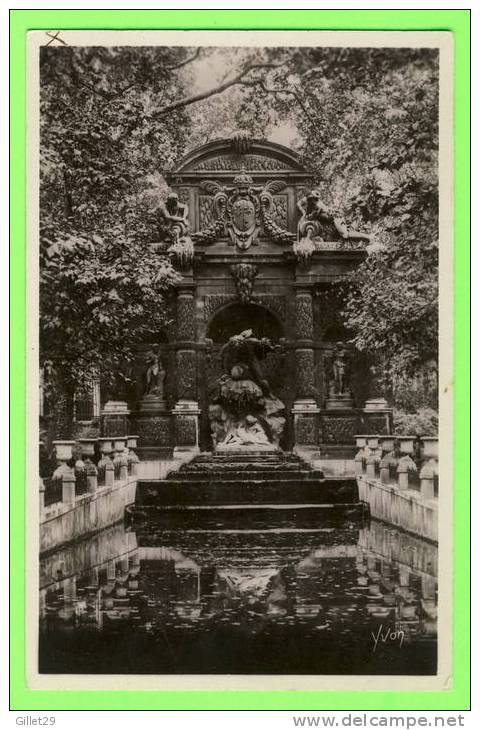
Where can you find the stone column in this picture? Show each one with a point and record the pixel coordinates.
(114, 418)
(64, 473)
(132, 458)
(305, 410)
(88, 452)
(186, 411)
(427, 480)
(377, 417)
(105, 468)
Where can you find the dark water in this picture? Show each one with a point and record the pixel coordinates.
(241, 602)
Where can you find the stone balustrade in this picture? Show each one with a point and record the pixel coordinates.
(86, 466)
(398, 477)
(95, 480)
(410, 462)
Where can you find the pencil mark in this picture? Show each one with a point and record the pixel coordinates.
(55, 37)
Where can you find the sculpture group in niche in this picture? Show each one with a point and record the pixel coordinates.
(244, 412)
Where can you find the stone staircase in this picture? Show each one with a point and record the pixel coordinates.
(254, 491)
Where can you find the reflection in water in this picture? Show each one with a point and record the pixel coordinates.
(323, 601)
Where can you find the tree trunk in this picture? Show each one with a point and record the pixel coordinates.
(63, 408)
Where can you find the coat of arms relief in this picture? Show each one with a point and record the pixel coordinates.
(241, 211)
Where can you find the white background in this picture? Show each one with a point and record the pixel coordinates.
(200, 720)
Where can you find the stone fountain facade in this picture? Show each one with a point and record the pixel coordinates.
(258, 250)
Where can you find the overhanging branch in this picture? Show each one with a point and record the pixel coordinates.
(187, 60)
(290, 92)
(239, 79)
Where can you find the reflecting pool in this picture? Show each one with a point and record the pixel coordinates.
(342, 599)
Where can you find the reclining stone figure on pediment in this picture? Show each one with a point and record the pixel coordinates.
(174, 229)
(319, 224)
(318, 221)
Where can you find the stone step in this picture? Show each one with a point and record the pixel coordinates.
(239, 475)
(241, 463)
(250, 464)
(238, 456)
(247, 491)
(259, 544)
(222, 524)
(244, 469)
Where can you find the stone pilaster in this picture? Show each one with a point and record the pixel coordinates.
(305, 410)
(186, 314)
(304, 355)
(186, 374)
(377, 416)
(114, 418)
(185, 416)
(186, 355)
(186, 412)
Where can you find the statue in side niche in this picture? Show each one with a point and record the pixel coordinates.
(318, 221)
(339, 367)
(153, 382)
(339, 393)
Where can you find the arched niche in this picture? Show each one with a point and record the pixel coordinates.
(359, 378)
(237, 317)
(233, 319)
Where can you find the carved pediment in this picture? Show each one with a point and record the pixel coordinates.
(247, 192)
(232, 155)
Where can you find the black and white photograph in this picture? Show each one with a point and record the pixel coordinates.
(240, 306)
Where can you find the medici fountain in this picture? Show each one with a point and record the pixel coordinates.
(251, 552)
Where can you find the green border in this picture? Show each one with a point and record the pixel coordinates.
(456, 21)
